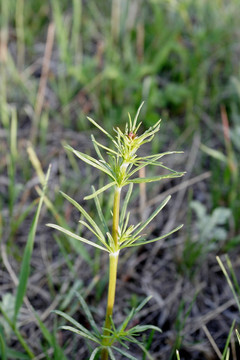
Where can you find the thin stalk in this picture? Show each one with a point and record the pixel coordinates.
(116, 208)
(20, 33)
(113, 262)
(18, 334)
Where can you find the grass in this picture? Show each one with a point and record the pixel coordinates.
(78, 59)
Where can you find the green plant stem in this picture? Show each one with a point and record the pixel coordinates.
(18, 334)
(116, 207)
(113, 262)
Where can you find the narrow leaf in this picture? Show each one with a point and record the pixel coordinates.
(125, 204)
(177, 354)
(143, 328)
(153, 240)
(73, 322)
(84, 212)
(96, 193)
(112, 357)
(126, 321)
(100, 213)
(88, 313)
(122, 352)
(83, 334)
(136, 117)
(154, 178)
(163, 154)
(100, 128)
(46, 333)
(143, 303)
(90, 160)
(18, 334)
(144, 163)
(14, 354)
(135, 341)
(3, 352)
(94, 353)
(224, 355)
(75, 236)
(233, 275)
(154, 214)
(214, 153)
(96, 234)
(238, 336)
(25, 266)
(95, 144)
(229, 281)
(104, 147)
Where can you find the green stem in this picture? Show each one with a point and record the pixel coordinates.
(19, 336)
(113, 262)
(116, 208)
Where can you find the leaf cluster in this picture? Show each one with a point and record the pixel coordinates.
(129, 235)
(121, 165)
(121, 335)
(122, 162)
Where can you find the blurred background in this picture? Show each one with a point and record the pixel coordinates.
(61, 61)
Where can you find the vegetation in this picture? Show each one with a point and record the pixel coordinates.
(62, 62)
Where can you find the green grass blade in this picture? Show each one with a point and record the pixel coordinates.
(233, 275)
(14, 354)
(50, 338)
(76, 29)
(97, 192)
(148, 342)
(238, 336)
(46, 333)
(18, 334)
(88, 313)
(214, 153)
(3, 349)
(25, 267)
(229, 281)
(75, 236)
(22, 216)
(225, 355)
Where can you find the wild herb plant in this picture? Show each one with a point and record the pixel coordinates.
(121, 164)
